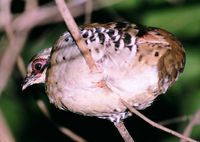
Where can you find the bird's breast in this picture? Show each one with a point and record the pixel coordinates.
(71, 85)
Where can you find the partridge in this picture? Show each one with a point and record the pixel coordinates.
(135, 63)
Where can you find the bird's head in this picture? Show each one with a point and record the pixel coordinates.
(36, 70)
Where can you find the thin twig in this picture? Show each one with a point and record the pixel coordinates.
(48, 14)
(5, 134)
(88, 11)
(175, 120)
(64, 130)
(9, 57)
(194, 121)
(5, 14)
(123, 131)
(43, 108)
(16, 42)
(74, 30)
(70, 133)
(31, 5)
(154, 124)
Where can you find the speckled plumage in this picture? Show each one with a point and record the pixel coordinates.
(136, 63)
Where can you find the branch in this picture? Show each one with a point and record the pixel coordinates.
(194, 121)
(5, 134)
(31, 5)
(16, 42)
(64, 130)
(88, 11)
(175, 120)
(154, 124)
(9, 57)
(123, 132)
(71, 134)
(74, 30)
(49, 13)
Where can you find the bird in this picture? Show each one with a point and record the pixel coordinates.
(135, 63)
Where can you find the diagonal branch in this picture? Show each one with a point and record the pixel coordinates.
(16, 41)
(176, 120)
(64, 130)
(74, 30)
(123, 131)
(154, 124)
(88, 11)
(5, 134)
(194, 121)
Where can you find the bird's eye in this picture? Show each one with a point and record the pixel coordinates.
(38, 66)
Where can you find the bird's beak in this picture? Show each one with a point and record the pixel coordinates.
(27, 81)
